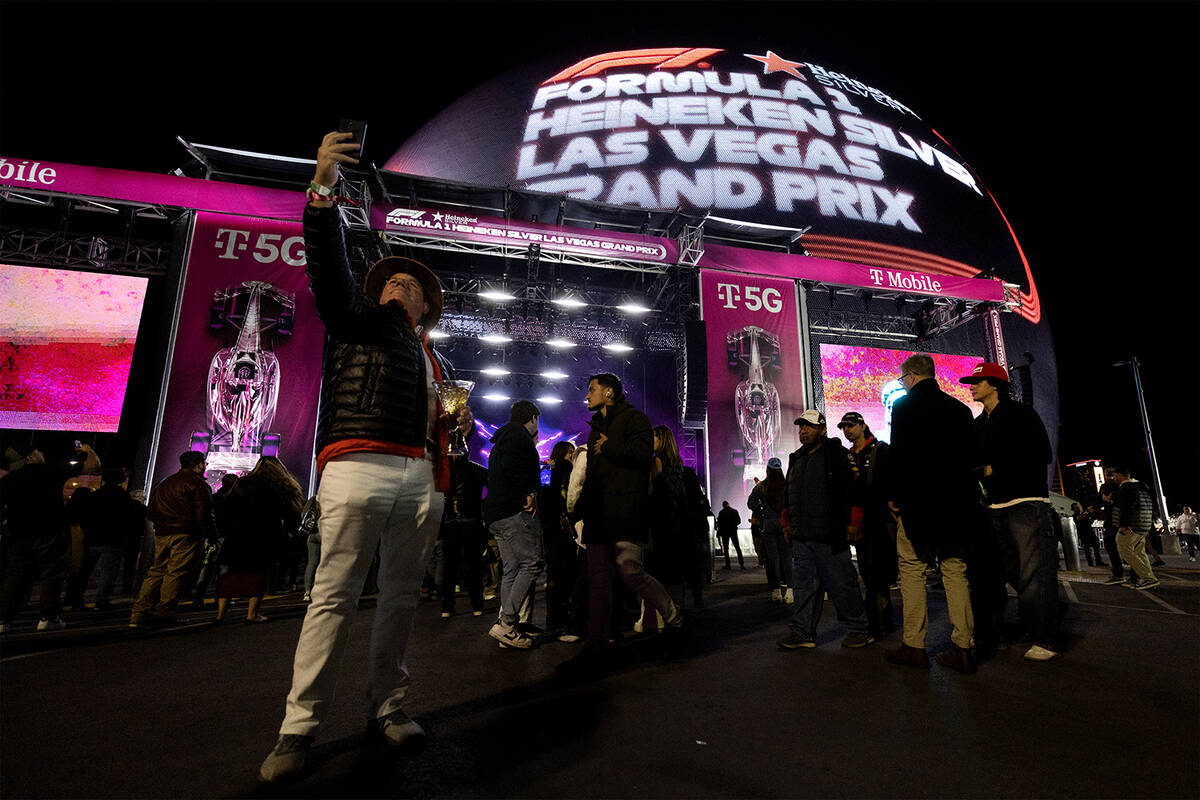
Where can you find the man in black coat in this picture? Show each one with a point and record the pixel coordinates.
(934, 492)
(381, 439)
(816, 521)
(614, 507)
(1012, 457)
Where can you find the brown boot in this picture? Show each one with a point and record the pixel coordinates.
(907, 656)
(959, 659)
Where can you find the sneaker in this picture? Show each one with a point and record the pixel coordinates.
(51, 624)
(397, 730)
(570, 637)
(286, 761)
(1115, 580)
(858, 639)
(776, 596)
(530, 630)
(1148, 583)
(794, 641)
(447, 614)
(508, 636)
(788, 597)
(1039, 653)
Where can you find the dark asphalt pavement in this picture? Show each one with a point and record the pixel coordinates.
(100, 710)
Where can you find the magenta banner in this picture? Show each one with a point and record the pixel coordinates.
(435, 224)
(841, 273)
(756, 378)
(246, 369)
(145, 187)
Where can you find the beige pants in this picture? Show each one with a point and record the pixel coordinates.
(912, 595)
(1132, 547)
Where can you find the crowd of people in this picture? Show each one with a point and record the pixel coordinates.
(620, 535)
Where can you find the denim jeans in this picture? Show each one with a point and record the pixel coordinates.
(523, 558)
(107, 560)
(1029, 552)
(816, 568)
(778, 558)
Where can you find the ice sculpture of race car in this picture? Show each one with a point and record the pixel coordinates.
(243, 379)
(756, 400)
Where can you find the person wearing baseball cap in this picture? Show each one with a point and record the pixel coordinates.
(817, 521)
(380, 444)
(934, 494)
(873, 526)
(1013, 457)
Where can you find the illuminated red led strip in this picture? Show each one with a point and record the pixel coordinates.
(1031, 306)
(942, 265)
(660, 57)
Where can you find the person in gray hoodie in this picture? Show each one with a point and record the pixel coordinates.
(513, 482)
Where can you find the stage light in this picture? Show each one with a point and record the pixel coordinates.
(436, 334)
(496, 397)
(549, 400)
(561, 344)
(633, 308)
(497, 295)
(494, 371)
(569, 302)
(554, 375)
(617, 347)
(495, 338)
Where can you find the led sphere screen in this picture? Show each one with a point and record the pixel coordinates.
(867, 380)
(67, 340)
(787, 135)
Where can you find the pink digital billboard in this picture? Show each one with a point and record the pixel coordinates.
(67, 342)
(867, 380)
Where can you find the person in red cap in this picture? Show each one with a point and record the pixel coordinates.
(1013, 455)
(380, 440)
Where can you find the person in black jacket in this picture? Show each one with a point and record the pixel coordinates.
(381, 439)
(514, 477)
(1133, 515)
(873, 525)
(463, 535)
(111, 519)
(614, 509)
(1012, 457)
(817, 522)
(935, 495)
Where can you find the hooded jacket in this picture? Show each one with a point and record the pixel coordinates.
(514, 472)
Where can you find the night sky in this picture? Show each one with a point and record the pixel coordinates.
(1081, 118)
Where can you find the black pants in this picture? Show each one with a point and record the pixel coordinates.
(43, 558)
(726, 538)
(463, 541)
(1114, 555)
(1091, 546)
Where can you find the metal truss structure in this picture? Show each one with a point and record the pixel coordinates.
(58, 249)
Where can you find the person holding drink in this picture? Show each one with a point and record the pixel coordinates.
(382, 442)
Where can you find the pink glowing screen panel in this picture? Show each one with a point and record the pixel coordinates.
(66, 343)
(866, 380)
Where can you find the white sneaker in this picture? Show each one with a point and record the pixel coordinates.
(51, 624)
(788, 598)
(776, 596)
(508, 636)
(1039, 653)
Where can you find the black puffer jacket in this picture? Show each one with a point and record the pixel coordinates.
(374, 385)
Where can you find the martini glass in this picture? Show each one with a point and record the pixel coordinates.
(453, 395)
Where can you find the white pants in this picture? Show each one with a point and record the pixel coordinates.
(366, 499)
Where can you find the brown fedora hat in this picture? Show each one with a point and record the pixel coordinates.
(385, 268)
